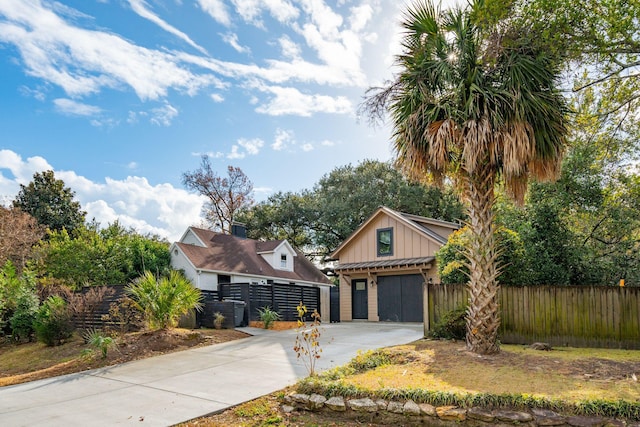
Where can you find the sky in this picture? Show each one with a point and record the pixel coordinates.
(121, 97)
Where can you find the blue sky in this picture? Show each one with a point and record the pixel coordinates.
(120, 97)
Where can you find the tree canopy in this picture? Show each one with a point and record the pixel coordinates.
(50, 203)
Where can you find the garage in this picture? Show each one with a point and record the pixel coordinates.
(400, 298)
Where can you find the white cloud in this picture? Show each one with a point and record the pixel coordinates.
(290, 101)
(236, 153)
(217, 97)
(141, 8)
(289, 48)
(217, 10)
(252, 146)
(83, 62)
(160, 209)
(327, 143)
(162, 116)
(307, 147)
(250, 10)
(282, 139)
(232, 40)
(74, 108)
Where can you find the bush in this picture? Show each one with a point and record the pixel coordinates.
(162, 301)
(452, 325)
(268, 316)
(24, 316)
(18, 299)
(53, 322)
(218, 320)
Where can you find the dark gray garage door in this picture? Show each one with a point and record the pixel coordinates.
(400, 298)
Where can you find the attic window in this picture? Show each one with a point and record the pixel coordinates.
(384, 241)
(283, 261)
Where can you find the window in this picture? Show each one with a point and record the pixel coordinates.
(385, 241)
(283, 260)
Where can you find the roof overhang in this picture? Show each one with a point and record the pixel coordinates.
(387, 265)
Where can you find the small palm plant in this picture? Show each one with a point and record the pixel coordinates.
(268, 316)
(163, 300)
(98, 341)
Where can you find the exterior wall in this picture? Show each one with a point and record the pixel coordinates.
(325, 304)
(345, 299)
(372, 301)
(191, 239)
(443, 231)
(407, 243)
(274, 258)
(180, 262)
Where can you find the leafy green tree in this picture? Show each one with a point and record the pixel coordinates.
(164, 300)
(452, 262)
(50, 203)
(282, 216)
(475, 103)
(93, 257)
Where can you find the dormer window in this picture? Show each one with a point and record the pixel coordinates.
(283, 261)
(384, 241)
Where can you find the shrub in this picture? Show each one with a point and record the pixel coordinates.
(53, 322)
(162, 301)
(452, 325)
(268, 316)
(24, 315)
(17, 298)
(218, 320)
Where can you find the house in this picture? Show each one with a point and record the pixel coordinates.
(209, 259)
(384, 263)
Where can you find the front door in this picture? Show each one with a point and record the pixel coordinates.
(359, 300)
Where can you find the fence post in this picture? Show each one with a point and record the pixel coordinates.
(425, 307)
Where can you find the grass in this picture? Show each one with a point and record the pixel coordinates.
(567, 374)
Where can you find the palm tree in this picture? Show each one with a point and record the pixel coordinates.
(164, 300)
(476, 106)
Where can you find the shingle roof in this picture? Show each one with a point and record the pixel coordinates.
(233, 254)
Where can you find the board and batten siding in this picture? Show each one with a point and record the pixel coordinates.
(407, 243)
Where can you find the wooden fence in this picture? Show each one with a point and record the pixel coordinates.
(577, 316)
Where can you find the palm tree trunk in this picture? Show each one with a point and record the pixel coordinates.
(483, 318)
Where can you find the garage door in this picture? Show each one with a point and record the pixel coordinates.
(400, 298)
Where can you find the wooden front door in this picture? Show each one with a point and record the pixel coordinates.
(359, 299)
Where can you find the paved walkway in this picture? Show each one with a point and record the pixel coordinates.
(177, 387)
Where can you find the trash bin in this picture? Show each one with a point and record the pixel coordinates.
(238, 311)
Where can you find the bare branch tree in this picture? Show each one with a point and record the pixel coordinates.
(19, 231)
(226, 195)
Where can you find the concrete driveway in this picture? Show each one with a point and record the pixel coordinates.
(177, 387)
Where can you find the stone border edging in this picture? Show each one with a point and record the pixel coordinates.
(409, 412)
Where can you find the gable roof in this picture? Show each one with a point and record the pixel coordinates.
(420, 224)
(227, 253)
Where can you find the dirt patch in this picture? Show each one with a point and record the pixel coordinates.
(68, 358)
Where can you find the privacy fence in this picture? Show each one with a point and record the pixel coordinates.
(279, 297)
(577, 316)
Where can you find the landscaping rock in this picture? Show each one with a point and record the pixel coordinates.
(363, 405)
(382, 404)
(395, 407)
(481, 414)
(336, 403)
(615, 423)
(287, 409)
(300, 398)
(545, 417)
(316, 401)
(411, 408)
(543, 346)
(427, 409)
(451, 413)
(580, 421)
(513, 416)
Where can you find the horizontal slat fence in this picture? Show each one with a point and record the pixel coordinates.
(576, 316)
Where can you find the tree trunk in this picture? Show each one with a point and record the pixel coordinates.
(483, 318)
